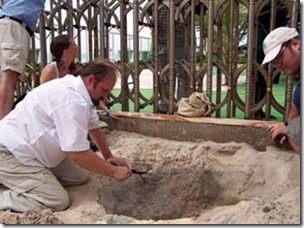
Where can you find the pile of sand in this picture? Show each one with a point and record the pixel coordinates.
(187, 183)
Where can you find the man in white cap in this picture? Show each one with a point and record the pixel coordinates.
(282, 48)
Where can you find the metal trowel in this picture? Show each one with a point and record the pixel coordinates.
(140, 168)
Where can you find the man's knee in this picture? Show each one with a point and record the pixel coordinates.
(68, 173)
(58, 202)
(82, 178)
(51, 195)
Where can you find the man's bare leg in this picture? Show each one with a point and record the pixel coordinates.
(8, 82)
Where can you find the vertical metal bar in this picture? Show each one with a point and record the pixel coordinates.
(201, 45)
(294, 15)
(192, 50)
(273, 16)
(202, 35)
(249, 73)
(79, 34)
(32, 74)
(218, 71)
(60, 27)
(42, 42)
(106, 35)
(90, 29)
(235, 54)
(123, 57)
(52, 22)
(210, 49)
(101, 29)
(171, 56)
(156, 71)
(70, 17)
(136, 55)
(95, 38)
(230, 57)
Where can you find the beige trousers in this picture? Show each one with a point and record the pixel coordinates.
(27, 187)
(14, 45)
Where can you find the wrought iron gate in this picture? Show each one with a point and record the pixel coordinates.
(196, 45)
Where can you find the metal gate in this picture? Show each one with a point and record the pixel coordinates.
(195, 45)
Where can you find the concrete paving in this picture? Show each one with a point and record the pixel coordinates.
(146, 81)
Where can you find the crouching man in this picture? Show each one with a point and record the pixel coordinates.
(43, 141)
(282, 48)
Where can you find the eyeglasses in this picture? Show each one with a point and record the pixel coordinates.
(278, 58)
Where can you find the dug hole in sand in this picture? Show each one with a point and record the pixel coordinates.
(199, 182)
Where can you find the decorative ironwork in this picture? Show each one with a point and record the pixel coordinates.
(195, 47)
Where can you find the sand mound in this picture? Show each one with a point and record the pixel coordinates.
(186, 183)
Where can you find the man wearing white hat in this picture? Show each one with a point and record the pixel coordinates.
(282, 48)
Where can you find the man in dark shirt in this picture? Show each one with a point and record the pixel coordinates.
(282, 47)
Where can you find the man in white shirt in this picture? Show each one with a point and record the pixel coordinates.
(43, 141)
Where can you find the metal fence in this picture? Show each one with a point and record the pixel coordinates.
(196, 45)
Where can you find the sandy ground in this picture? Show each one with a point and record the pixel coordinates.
(186, 183)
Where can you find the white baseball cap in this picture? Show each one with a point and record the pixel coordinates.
(273, 42)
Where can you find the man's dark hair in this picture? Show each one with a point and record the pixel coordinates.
(99, 68)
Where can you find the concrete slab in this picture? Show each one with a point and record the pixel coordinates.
(175, 127)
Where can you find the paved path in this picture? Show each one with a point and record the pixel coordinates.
(146, 81)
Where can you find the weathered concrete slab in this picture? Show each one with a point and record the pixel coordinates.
(252, 132)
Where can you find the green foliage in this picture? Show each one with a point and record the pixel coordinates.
(278, 93)
(200, 57)
(242, 60)
(224, 23)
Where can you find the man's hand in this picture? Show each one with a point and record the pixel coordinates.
(276, 131)
(113, 115)
(92, 162)
(121, 173)
(122, 169)
(117, 161)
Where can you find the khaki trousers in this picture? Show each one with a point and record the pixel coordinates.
(27, 187)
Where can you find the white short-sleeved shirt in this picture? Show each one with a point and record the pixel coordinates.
(53, 119)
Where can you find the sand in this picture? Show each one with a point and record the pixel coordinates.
(187, 183)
